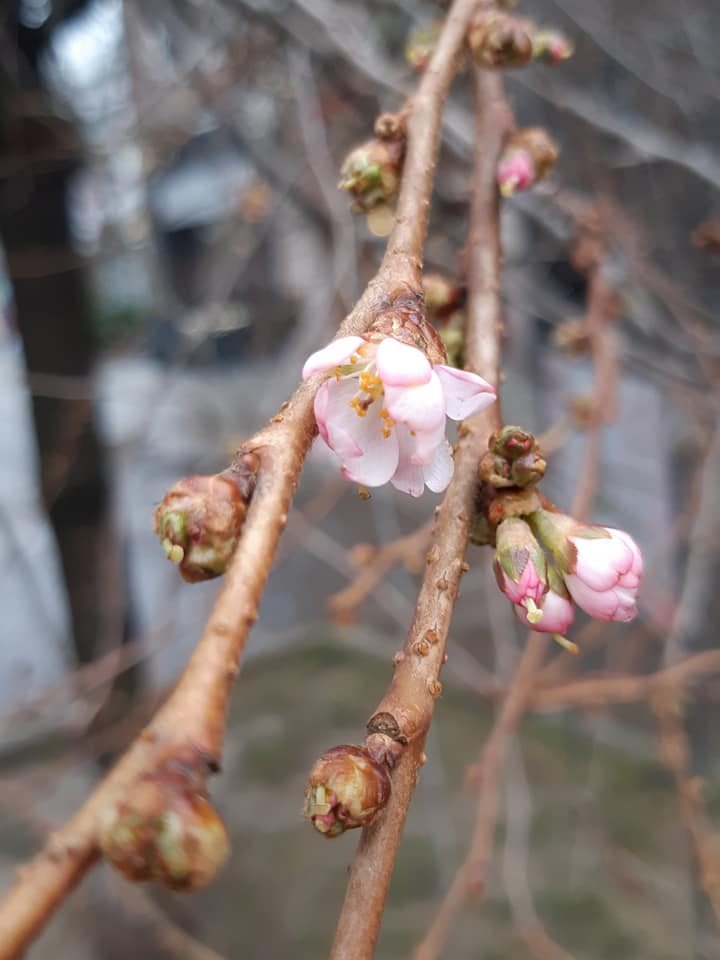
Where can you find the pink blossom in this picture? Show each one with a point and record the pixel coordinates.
(382, 412)
(606, 575)
(557, 613)
(516, 171)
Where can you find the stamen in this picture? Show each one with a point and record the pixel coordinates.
(565, 643)
(359, 406)
(389, 423)
(364, 493)
(534, 613)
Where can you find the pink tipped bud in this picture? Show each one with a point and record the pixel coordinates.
(556, 613)
(520, 566)
(499, 40)
(421, 45)
(371, 173)
(528, 157)
(199, 522)
(346, 789)
(602, 567)
(167, 831)
(551, 47)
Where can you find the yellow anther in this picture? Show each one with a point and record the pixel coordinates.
(358, 406)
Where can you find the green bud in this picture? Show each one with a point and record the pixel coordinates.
(346, 789)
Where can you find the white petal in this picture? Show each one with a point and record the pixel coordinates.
(342, 424)
(331, 356)
(420, 408)
(409, 476)
(401, 365)
(601, 563)
(465, 392)
(438, 473)
(378, 458)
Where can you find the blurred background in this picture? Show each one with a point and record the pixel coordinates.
(174, 246)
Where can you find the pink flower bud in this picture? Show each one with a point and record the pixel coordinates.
(520, 566)
(371, 173)
(602, 567)
(551, 47)
(557, 612)
(346, 789)
(528, 157)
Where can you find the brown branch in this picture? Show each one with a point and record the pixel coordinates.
(191, 725)
(406, 711)
(343, 606)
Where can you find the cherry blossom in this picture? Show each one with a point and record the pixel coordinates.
(382, 411)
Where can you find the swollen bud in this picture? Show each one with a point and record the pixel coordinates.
(442, 295)
(512, 442)
(371, 173)
(528, 157)
(500, 40)
(551, 47)
(346, 789)
(199, 522)
(165, 830)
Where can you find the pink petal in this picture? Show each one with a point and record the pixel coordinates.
(601, 563)
(601, 604)
(439, 471)
(465, 392)
(420, 408)
(320, 408)
(400, 365)
(637, 563)
(331, 356)
(557, 614)
(378, 459)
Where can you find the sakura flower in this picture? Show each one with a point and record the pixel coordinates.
(383, 411)
(528, 157)
(520, 567)
(602, 567)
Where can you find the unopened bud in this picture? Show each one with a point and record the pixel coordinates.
(520, 566)
(512, 442)
(346, 789)
(199, 522)
(167, 831)
(551, 46)
(371, 173)
(572, 336)
(528, 157)
(528, 470)
(421, 45)
(500, 40)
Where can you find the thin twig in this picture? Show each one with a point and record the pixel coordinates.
(410, 699)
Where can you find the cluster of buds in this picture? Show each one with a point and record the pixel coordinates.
(165, 830)
(371, 172)
(421, 45)
(200, 519)
(382, 410)
(528, 157)
(499, 40)
(545, 561)
(346, 789)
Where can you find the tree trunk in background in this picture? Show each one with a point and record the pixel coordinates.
(39, 155)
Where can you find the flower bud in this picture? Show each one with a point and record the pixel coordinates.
(499, 40)
(573, 337)
(602, 567)
(167, 831)
(551, 46)
(520, 566)
(512, 443)
(421, 45)
(556, 610)
(371, 173)
(346, 789)
(528, 157)
(199, 522)
(528, 470)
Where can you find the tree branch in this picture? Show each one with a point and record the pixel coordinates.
(408, 705)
